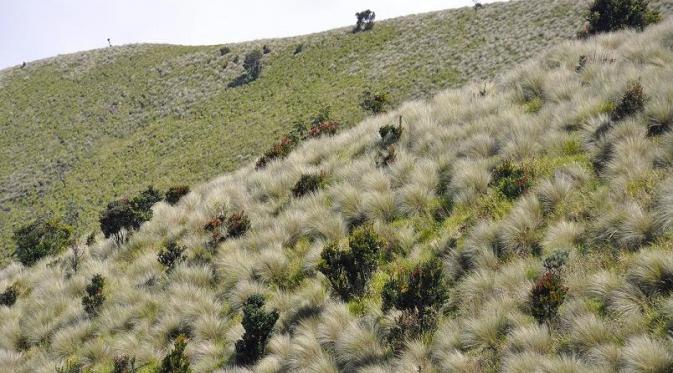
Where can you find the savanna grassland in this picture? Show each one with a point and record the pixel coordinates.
(80, 130)
(521, 225)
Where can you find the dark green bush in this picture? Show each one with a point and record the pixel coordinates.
(632, 102)
(171, 255)
(612, 15)
(307, 183)
(349, 270)
(94, 297)
(365, 21)
(390, 134)
(253, 64)
(421, 290)
(224, 51)
(40, 238)
(8, 297)
(299, 48)
(237, 224)
(176, 361)
(546, 296)
(173, 194)
(258, 325)
(511, 180)
(556, 261)
(129, 214)
(374, 102)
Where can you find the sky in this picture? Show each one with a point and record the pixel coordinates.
(35, 29)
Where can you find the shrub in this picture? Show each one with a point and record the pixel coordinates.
(349, 270)
(173, 194)
(612, 15)
(94, 297)
(224, 51)
(308, 183)
(512, 181)
(390, 134)
(266, 49)
(176, 361)
(8, 297)
(40, 238)
(328, 128)
(171, 255)
(374, 102)
(365, 21)
(421, 290)
(253, 64)
(546, 296)
(556, 261)
(258, 325)
(278, 150)
(632, 102)
(124, 364)
(299, 48)
(237, 224)
(386, 157)
(129, 214)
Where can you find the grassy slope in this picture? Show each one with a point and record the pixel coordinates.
(600, 190)
(82, 129)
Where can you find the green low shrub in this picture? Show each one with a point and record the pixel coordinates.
(613, 15)
(390, 134)
(510, 180)
(94, 297)
(308, 183)
(421, 290)
(40, 238)
(349, 269)
(173, 194)
(365, 21)
(176, 361)
(171, 255)
(546, 296)
(8, 297)
(258, 325)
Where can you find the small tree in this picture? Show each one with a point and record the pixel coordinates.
(612, 15)
(258, 325)
(171, 255)
(420, 290)
(40, 238)
(253, 64)
(365, 21)
(143, 202)
(94, 297)
(173, 194)
(176, 361)
(374, 102)
(8, 297)
(546, 296)
(349, 270)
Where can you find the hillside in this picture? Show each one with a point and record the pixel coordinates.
(555, 157)
(79, 130)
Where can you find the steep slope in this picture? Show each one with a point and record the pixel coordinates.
(77, 131)
(549, 160)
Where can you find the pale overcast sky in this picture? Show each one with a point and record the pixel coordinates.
(35, 29)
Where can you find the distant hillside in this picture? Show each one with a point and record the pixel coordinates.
(79, 130)
(521, 226)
